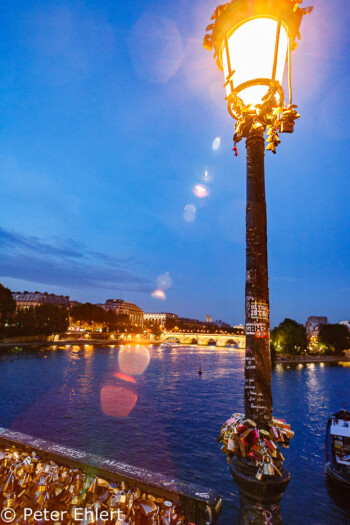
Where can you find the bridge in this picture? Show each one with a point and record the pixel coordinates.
(204, 339)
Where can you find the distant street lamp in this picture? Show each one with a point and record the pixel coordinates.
(252, 42)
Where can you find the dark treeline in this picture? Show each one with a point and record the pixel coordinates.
(48, 319)
(90, 314)
(178, 324)
(291, 338)
(45, 319)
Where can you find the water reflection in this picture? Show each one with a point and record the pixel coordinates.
(79, 397)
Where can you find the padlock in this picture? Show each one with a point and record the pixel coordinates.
(148, 507)
(231, 445)
(242, 448)
(259, 474)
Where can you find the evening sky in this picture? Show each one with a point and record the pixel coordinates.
(109, 111)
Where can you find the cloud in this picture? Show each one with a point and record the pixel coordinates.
(66, 263)
(17, 241)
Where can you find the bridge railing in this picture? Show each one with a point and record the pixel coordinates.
(202, 506)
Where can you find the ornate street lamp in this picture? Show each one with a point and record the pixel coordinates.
(252, 42)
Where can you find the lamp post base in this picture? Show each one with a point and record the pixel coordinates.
(259, 500)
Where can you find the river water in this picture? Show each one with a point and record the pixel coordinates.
(149, 407)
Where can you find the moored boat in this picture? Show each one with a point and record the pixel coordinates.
(338, 448)
(169, 344)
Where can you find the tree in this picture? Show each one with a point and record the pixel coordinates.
(289, 337)
(335, 337)
(7, 305)
(156, 330)
(87, 313)
(51, 319)
(171, 323)
(25, 321)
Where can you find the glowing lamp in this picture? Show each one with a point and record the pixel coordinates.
(256, 68)
(252, 41)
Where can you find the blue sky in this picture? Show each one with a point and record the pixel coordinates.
(108, 115)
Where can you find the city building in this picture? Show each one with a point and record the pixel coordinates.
(188, 323)
(159, 318)
(239, 329)
(345, 323)
(313, 324)
(120, 307)
(28, 299)
(208, 318)
(74, 303)
(221, 324)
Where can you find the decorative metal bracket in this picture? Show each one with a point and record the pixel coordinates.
(271, 116)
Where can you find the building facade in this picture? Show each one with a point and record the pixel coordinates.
(159, 318)
(345, 323)
(221, 324)
(28, 299)
(120, 307)
(313, 324)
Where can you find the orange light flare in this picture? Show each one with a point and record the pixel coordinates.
(117, 401)
(125, 377)
(159, 294)
(133, 362)
(200, 191)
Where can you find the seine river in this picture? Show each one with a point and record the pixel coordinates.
(149, 407)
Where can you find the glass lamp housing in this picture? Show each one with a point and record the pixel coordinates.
(253, 57)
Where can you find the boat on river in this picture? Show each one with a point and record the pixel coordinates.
(338, 449)
(169, 344)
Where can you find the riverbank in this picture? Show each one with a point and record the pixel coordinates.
(79, 342)
(288, 360)
(281, 359)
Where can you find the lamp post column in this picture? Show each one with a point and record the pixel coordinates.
(257, 389)
(259, 499)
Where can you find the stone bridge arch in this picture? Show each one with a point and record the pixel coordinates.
(202, 339)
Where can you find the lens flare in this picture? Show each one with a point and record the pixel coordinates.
(190, 213)
(156, 48)
(117, 401)
(133, 361)
(216, 143)
(200, 191)
(164, 281)
(159, 294)
(207, 177)
(125, 377)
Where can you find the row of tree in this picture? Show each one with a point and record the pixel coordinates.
(45, 319)
(290, 337)
(48, 319)
(91, 314)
